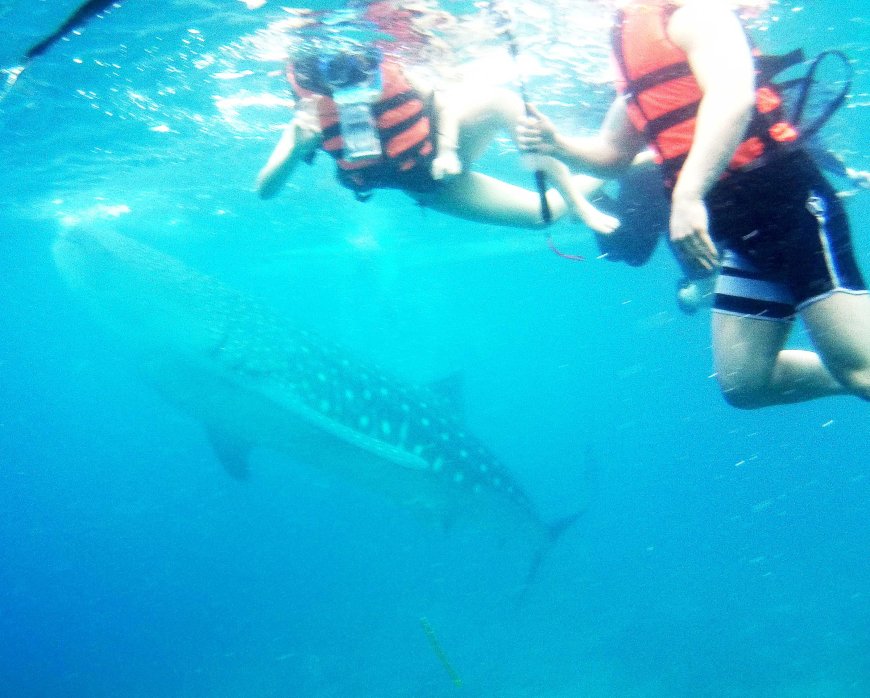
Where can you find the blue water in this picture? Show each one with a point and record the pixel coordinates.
(724, 553)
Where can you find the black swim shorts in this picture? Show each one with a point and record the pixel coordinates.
(785, 240)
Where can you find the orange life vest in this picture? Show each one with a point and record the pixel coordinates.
(403, 121)
(663, 95)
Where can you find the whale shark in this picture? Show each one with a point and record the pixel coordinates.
(254, 378)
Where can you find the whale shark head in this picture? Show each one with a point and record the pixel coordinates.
(149, 298)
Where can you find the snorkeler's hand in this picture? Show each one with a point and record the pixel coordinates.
(690, 233)
(447, 164)
(306, 126)
(536, 134)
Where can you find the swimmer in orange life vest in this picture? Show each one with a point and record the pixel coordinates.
(387, 130)
(738, 175)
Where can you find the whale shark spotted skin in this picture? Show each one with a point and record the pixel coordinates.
(255, 379)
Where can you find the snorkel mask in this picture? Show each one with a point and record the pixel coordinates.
(344, 69)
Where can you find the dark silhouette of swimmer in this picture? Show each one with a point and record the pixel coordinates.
(643, 208)
(74, 21)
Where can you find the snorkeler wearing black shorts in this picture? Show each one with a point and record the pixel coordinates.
(692, 89)
(785, 237)
(641, 203)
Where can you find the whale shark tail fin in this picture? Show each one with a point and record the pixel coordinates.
(555, 531)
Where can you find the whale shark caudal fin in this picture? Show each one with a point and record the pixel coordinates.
(557, 528)
(554, 532)
(232, 454)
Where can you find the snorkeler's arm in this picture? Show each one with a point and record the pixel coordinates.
(721, 61)
(301, 137)
(574, 190)
(606, 154)
(446, 162)
(827, 160)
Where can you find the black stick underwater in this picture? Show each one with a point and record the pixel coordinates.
(74, 21)
(505, 30)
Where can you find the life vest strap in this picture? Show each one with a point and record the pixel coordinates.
(381, 107)
(674, 71)
(331, 131)
(768, 66)
(669, 119)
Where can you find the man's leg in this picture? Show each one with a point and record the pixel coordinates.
(839, 326)
(477, 197)
(755, 371)
(482, 114)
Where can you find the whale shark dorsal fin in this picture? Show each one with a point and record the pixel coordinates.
(232, 454)
(451, 389)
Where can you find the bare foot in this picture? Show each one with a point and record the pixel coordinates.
(599, 221)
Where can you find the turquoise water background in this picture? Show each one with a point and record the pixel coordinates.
(723, 553)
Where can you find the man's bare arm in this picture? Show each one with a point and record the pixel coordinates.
(605, 154)
(721, 61)
(301, 137)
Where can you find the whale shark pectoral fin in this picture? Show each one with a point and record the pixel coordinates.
(232, 454)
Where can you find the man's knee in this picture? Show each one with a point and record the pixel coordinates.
(745, 392)
(851, 369)
(856, 382)
(745, 397)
